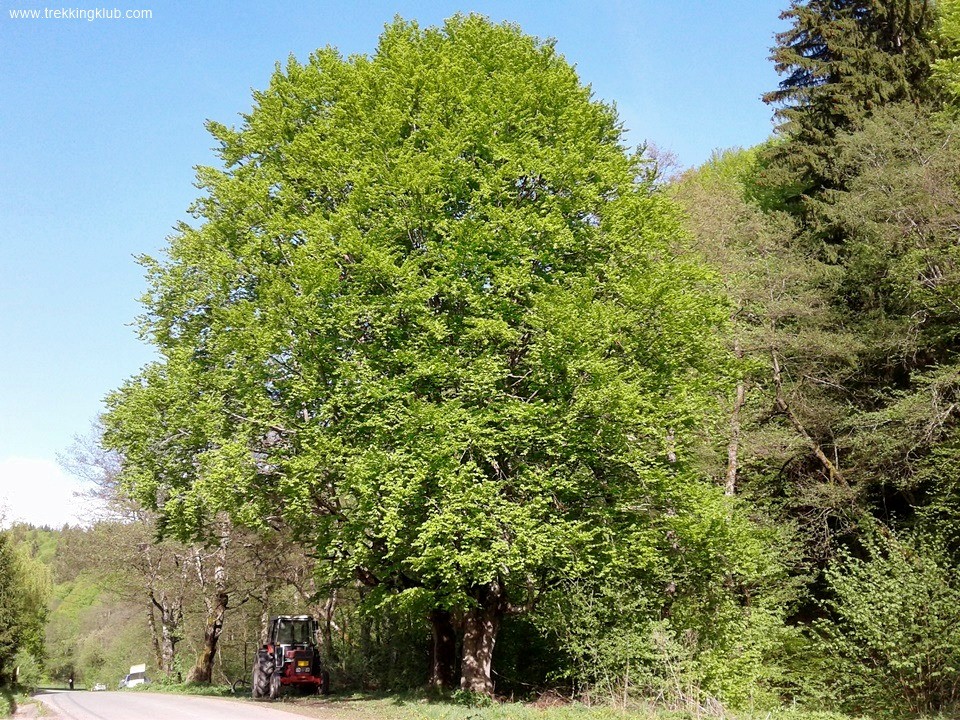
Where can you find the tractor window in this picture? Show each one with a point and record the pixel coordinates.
(293, 632)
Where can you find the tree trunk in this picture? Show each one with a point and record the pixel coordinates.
(171, 622)
(733, 447)
(264, 614)
(154, 630)
(327, 628)
(444, 651)
(216, 604)
(481, 625)
(202, 671)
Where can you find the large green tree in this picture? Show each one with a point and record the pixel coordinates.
(10, 613)
(432, 317)
(901, 288)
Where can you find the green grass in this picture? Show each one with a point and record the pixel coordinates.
(411, 707)
(458, 706)
(426, 710)
(184, 689)
(10, 700)
(464, 706)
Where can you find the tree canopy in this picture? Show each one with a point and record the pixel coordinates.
(432, 317)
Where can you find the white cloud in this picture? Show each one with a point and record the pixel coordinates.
(37, 491)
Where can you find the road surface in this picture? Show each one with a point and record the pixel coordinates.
(84, 705)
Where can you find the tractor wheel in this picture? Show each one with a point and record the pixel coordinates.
(255, 681)
(262, 675)
(324, 689)
(275, 685)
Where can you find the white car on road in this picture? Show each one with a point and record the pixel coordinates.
(136, 676)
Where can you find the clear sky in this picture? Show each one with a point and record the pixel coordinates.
(101, 124)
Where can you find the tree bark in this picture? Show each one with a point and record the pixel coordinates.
(481, 625)
(216, 604)
(171, 623)
(202, 671)
(327, 627)
(264, 614)
(154, 630)
(444, 651)
(733, 447)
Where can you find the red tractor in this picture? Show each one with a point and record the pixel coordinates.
(290, 658)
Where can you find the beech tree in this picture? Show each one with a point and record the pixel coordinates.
(432, 319)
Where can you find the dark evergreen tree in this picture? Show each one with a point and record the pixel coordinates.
(843, 60)
(10, 621)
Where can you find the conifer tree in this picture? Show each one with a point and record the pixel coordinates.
(843, 60)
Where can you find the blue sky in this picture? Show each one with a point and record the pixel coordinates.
(101, 123)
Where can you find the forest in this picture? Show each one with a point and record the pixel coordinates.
(514, 409)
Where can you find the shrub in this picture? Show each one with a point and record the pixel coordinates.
(891, 642)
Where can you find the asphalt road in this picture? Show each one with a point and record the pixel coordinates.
(85, 705)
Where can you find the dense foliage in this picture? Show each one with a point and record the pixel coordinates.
(946, 68)
(838, 243)
(891, 641)
(24, 586)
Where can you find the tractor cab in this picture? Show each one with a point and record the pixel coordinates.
(290, 658)
(293, 630)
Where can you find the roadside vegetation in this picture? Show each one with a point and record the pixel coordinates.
(463, 706)
(525, 421)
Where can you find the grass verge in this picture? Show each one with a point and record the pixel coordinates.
(464, 706)
(457, 706)
(11, 699)
(186, 689)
